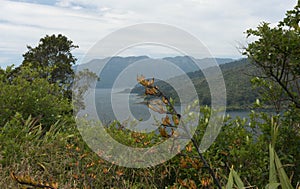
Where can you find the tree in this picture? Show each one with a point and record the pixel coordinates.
(54, 59)
(83, 80)
(29, 95)
(277, 53)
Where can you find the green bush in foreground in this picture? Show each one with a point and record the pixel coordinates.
(61, 157)
(28, 94)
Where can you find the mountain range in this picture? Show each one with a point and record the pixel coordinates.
(236, 74)
(111, 68)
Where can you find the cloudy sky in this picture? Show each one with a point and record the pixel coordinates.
(219, 24)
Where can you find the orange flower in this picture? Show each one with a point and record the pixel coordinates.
(163, 132)
(105, 170)
(206, 182)
(100, 161)
(165, 100)
(182, 183)
(75, 176)
(189, 147)
(150, 91)
(146, 83)
(92, 175)
(83, 156)
(151, 82)
(90, 165)
(77, 149)
(119, 172)
(183, 163)
(166, 121)
(192, 184)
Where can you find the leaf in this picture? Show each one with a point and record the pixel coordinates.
(272, 171)
(284, 179)
(272, 185)
(237, 179)
(234, 178)
(171, 101)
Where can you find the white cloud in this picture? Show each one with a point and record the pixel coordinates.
(218, 24)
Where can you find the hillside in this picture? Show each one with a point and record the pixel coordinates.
(239, 92)
(237, 75)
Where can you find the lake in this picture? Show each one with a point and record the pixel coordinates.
(115, 104)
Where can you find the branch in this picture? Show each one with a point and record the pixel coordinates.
(155, 91)
(284, 87)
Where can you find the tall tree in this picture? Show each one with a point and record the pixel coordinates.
(276, 51)
(54, 59)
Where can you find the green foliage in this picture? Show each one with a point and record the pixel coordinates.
(276, 169)
(54, 60)
(62, 157)
(28, 94)
(276, 52)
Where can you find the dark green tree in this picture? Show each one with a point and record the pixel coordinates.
(276, 52)
(54, 59)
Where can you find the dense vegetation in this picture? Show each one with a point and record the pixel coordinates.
(40, 146)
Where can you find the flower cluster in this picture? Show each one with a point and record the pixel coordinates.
(160, 103)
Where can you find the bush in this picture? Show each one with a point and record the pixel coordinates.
(30, 95)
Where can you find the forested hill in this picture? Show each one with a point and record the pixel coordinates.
(237, 76)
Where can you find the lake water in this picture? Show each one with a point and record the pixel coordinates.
(112, 105)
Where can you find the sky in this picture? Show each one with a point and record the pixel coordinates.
(218, 24)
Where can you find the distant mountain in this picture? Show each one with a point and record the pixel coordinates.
(112, 67)
(187, 64)
(236, 73)
(237, 76)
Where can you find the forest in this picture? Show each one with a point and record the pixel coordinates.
(41, 145)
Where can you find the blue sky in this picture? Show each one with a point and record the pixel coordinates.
(218, 24)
